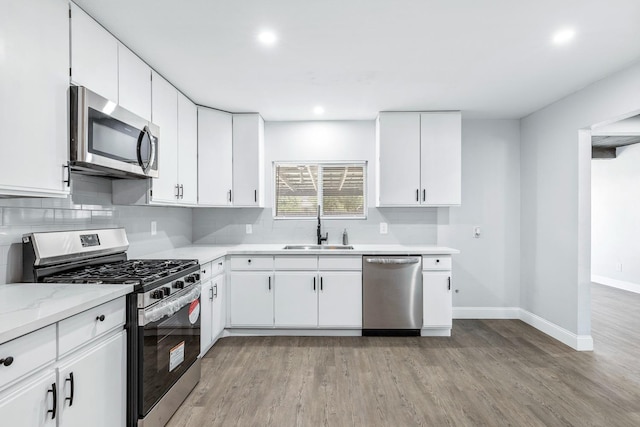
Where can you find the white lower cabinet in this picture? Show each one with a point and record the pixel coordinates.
(92, 385)
(251, 295)
(296, 299)
(213, 304)
(437, 302)
(31, 403)
(340, 299)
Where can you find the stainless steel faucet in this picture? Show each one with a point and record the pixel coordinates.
(319, 233)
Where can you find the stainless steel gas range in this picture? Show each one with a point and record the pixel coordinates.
(163, 312)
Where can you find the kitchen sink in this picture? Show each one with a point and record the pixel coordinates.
(318, 247)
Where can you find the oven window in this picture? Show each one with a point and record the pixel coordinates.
(111, 138)
(170, 347)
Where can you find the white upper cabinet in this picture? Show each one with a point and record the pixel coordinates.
(419, 159)
(34, 76)
(187, 151)
(134, 83)
(164, 113)
(215, 157)
(248, 160)
(441, 158)
(398, 147)
(94, 55)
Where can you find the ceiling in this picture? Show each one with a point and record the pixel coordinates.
(489, 58)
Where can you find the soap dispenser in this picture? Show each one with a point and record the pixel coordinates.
(345, 237)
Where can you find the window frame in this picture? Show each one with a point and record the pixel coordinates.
(321, 164)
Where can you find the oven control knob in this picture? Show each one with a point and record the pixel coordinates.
(158, 294)
(167, 291)
(190, 279)
(178, 284)
(197, 276)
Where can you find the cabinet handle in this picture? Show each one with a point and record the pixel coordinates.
(7, 361)
(211, 293)
(449, 280)
(314, 284)
(70, 379)
(229, 196)
(255, 196)
(417, 194)
(220, 264)
(100, 318)
(68, 180)
(321, 283)
(269, 282)
(177, 191)
(181, 191)
(424, 195)
(53, 411)
(215, 290)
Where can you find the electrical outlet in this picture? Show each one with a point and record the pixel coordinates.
(619, 266)
(249, 228)
(384, 228)
(154, 228)
(476, 232)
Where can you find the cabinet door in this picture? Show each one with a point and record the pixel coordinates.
(96, 379)
(251, 299)
(34, 85)
(340, 300)
(94, 55)
(441, 173)
(248, 155)
(27, 404)
(398, 149)
(187, 150)
(219, 311)
(296, 299)
(206, 322)
(164, 113)
(436, 296)
(215, 157)
(134, 83)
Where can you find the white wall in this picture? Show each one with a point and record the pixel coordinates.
(487, 270)
(486, 273)
(555, 189)
(615, 216)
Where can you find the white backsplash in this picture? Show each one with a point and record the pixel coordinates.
(88, 207)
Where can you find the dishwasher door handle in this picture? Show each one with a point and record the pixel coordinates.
(392, 260)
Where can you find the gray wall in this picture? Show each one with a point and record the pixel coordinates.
(555, 192)
(487, 270)
(88, 207)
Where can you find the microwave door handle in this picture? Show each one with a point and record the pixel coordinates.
(147, 132)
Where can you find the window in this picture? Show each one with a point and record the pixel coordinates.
(338, 188)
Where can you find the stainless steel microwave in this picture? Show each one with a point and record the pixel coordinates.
(108, 140)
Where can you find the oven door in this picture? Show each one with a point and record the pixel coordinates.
(110, 139)
(170, 335)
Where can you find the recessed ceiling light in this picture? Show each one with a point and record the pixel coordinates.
(318, 110)
(564, 36)
(267, 38)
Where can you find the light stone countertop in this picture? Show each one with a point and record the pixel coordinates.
(26, 307)
(207, 253)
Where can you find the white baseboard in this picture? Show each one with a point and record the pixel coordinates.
(486, 312)
(615, 283)
(258, 332)
(577, 342)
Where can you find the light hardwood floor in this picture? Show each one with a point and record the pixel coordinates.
(489, 373)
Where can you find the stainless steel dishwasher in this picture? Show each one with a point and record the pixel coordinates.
(391, 295)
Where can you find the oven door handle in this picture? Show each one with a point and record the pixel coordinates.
(168, 307)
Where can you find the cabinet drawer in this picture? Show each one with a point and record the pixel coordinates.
(205, 271)
(252, 263)
(217, 267)
(340, 262)
(78, 329)
(29, 352)
(296, 262)
(436, 262)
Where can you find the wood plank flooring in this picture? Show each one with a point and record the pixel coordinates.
(489, 373)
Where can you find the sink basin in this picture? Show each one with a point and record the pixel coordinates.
(318, 247)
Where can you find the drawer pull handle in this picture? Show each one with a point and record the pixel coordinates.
(249, 261)
(70, 379)
(220, 264)
(204, 271)
(7, 361)
(53, 411)
(100, 318)
(437, 261)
